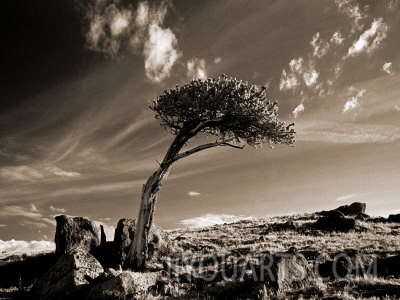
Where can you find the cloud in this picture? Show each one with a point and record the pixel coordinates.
(196, 69)
(347, 197)
(116, 29)
(3, 225)
(347, 133)
(299, 109)
(212, 219)
(56, 209)
(193, 194)
(31, 213)
(310, 77)
(352, 9)
(320, 47)
(217, 60)
(397, 107)
(288, 81)
(387, 68)
(12, 247)
(160, 53)
(370, 39)
(34, 208)
(337, 38)
(28, 173)
(352, 103)
(59, 172)
(300, 74)
(21, 173)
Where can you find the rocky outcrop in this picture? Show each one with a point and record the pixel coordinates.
(353, 209)
(68, 277)
(394, 218)
(76, 233)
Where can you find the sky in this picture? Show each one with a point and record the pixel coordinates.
(77, 137)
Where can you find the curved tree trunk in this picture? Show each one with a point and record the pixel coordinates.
(138, 252)
(137, 255)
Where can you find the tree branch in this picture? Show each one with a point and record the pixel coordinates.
(204, 147)
(206, 124)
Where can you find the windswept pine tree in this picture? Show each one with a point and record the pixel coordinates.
(236, 113)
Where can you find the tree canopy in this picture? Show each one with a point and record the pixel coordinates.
(234, 111)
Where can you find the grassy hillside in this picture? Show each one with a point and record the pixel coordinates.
(204, 250)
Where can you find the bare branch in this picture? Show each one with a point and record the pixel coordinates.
(204, 147)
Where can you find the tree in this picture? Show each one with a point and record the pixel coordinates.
(235, 112)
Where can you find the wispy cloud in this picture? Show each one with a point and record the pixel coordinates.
(57, 210)
(217, 60)
(387, 68)
(31, 213)
(34, 173)
(23, 247)
(212, 219)
(353, 102)
(348, 133)
(371, 39)
(59, 172)
(196, 68)
(193, 194)
(22, 173)
(299, 109)
(347, 197)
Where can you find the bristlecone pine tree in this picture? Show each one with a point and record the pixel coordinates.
(235, 112)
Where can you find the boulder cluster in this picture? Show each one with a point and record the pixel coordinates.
(88, 266)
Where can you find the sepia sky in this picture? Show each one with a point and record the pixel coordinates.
(77, 137)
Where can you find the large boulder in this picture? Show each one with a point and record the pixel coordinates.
(126, 285)
(394, 218)
(76, 233)
(125, 233)
(353, 209)
(68, 277)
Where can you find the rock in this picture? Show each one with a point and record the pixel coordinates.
(336, 223)
(68, 277)
(76, 233)
(353, 209)
(124, 234)
(389, 266)
(362, 217)
(127, 285)
(289, 225)
(289, 272)
(394, 218)
(335, 214)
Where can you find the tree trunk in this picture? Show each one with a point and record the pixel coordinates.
(137, 255)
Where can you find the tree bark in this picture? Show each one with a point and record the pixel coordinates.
(137, 255)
